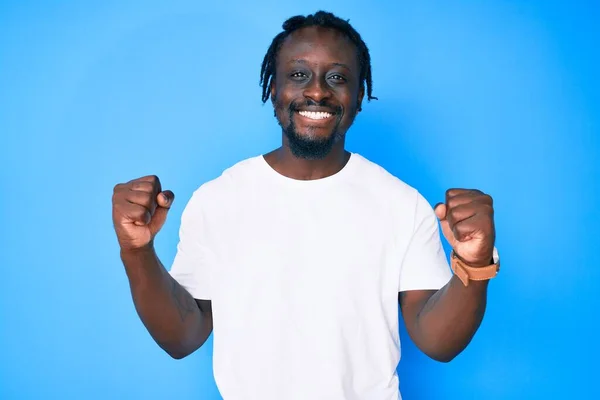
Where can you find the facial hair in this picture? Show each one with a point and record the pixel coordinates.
(306, 147)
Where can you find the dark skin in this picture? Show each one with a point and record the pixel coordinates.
(311, 67)
(319, 65)
(442, 323)
(177, 322)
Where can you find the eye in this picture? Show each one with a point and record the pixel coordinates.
(297, 75)
(338, 78)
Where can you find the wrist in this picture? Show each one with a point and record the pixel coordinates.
(477, 271)
(135, 252)
(476, 263)
(141, 264)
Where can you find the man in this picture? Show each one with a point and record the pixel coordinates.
(297, 259)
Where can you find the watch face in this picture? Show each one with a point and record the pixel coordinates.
(496, 256)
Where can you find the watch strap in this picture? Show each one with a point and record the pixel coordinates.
(466, 273)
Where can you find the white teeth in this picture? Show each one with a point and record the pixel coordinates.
(315, 115)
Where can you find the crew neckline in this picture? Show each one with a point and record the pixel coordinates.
(273, 174)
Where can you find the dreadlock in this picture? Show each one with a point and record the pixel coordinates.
(325, 20)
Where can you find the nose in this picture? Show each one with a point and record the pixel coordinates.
(317, 90)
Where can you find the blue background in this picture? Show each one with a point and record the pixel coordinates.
(502, 96)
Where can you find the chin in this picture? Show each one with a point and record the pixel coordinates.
(315, 135)
(310, 145)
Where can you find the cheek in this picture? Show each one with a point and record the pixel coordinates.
(278, 99)
(350, 99)
(278, 104)
(351, 110)
(280, 109)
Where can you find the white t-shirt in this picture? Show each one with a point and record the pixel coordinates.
(304, 278)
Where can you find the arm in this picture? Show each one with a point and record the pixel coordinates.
(178, 323)
(442, 323)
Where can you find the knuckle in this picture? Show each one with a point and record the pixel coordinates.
(454, 203)
(456, 214)
(149, 202)
(117, 198)
(142, 198)
(484, 207)
(455, 191)
(136, 185)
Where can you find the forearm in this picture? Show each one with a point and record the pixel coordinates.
(449, 319)
(168, 311)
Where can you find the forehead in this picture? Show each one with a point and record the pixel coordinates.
(318, 45)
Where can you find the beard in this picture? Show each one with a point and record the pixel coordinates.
(311, 147)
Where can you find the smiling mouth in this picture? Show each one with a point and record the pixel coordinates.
(315, 115)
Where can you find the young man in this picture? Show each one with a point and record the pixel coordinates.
(297, 259)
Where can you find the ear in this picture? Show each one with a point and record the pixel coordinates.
(273, 98)
(361, 95)
(273, 92)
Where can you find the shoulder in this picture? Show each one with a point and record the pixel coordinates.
(378, 179)
(393, 194)
(224, 187)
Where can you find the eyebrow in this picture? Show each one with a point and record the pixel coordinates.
(302, 61)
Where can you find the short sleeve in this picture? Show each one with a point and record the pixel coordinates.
(424, 266)
(191, 267)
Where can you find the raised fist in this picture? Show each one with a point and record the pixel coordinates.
(467, 220)
(139, 210)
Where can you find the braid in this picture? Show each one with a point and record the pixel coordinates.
(322, 19)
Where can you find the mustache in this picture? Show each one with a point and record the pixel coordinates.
(333, 108)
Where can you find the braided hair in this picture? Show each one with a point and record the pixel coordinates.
(321, 19)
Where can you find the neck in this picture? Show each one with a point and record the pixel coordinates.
(284, 162)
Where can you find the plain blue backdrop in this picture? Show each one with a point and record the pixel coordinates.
(503, 96)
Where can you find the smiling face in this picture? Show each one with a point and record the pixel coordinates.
(316, 91)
